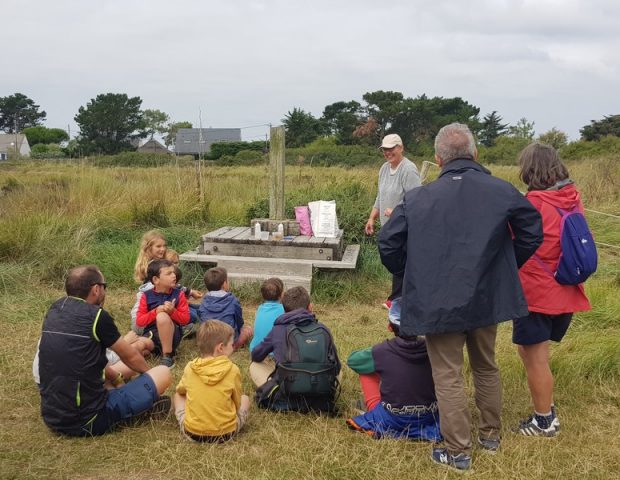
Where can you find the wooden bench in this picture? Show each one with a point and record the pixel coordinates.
(292, 271)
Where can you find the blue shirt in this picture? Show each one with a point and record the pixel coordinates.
(266, 315)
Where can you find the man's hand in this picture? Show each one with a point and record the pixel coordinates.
(387, 212)
(370, 226)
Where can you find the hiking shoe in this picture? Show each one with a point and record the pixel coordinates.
(387, 304)
(460, 462)
(160, 408)
(491, 445)
(166, 361)
(537, 426)
(188, 331)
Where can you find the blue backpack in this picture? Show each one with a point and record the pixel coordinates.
(578, 259)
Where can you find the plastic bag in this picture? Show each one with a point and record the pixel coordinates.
(302, 215)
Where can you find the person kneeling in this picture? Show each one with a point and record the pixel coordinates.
(398, 387)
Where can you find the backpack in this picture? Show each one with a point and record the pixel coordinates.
(578, 257)
(306, 380)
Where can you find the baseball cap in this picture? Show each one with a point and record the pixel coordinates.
(391, 140)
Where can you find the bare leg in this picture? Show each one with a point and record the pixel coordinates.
(161, 376)
(244, 337)
(539, 377)
(165, 327)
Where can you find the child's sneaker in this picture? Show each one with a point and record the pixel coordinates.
(189, 330)
(460, 462)
(387, 304)
(490, 445)
(539, 426)
(166, 361)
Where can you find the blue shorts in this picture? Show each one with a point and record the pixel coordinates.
(540, 327)
(380, 423)
(123, 404)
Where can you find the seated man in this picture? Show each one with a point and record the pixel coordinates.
(72, 358)
(397, 382)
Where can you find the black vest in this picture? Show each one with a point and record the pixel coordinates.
(71, 364)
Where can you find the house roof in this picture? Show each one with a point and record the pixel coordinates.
(7, 141)
(153, 146)
(189, 139)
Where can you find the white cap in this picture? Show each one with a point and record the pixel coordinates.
(391, 140)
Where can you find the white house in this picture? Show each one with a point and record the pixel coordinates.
(13, 143)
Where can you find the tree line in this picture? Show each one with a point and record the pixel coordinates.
(112, 122)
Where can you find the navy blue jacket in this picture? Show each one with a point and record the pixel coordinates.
(226, 309)
(453, 239)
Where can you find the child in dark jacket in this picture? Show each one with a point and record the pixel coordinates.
(163, 310)
(397, 383)
(220, 304)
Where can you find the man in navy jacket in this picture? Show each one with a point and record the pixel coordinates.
(459, 242)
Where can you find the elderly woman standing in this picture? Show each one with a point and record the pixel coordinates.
(397, 176)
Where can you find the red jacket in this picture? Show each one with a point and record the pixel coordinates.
(542, 292)
(150, 300)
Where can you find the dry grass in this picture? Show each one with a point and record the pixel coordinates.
(73, 204)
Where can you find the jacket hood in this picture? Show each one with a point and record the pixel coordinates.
(219, 304)
(411, 350)
(295, 316)
(566, 197)
(211, 370)
(145, 287)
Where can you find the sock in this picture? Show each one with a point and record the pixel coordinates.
(544, 419)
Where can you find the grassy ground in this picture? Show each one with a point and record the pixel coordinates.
(54, 216)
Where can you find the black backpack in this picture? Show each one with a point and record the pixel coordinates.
(307, 378)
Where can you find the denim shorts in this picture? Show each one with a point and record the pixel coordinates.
(123, 404)
(540, 327)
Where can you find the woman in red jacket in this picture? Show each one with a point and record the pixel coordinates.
(551, 305)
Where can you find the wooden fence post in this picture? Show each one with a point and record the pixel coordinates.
(276, 173)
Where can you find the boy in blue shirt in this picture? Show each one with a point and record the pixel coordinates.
(269, 310)
(220, 304)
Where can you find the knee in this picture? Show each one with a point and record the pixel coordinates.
(163, 318)
(161, 376)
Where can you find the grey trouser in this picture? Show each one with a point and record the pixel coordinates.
(446, 355)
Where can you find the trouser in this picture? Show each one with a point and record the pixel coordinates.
(446, 355)
(397, 287)
(260, 371)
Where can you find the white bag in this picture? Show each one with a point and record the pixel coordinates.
(323, 218)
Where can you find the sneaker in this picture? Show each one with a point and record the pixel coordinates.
(534, 427)
(490, 445)
(188, 331)
(460, 462)
(160, 408)
(387, 304)
(166, 361)
(556, 420)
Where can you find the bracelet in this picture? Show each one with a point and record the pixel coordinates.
(118, 380)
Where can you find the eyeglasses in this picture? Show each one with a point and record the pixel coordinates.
(103, 284)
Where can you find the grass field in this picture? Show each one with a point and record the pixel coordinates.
(56, 215)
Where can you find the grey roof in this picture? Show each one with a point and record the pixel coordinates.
(188, 139)
(7, 138)
(153, 146)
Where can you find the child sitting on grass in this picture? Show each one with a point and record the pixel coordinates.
(191, 328)
(220, 304)
(397, 383)
(208, 402)
(163, 310)
(267, 312)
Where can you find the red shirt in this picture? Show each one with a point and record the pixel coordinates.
(542, 292)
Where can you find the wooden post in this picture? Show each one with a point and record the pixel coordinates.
(276, 173)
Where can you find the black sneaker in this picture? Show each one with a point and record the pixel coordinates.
(166, 361)
(537, 426)
(490, 445)
(460, 462)
(188, 331)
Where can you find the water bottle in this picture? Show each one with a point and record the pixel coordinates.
(257, 231)
(281, 231)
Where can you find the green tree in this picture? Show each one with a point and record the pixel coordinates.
(43, 135)
(341, 119)
(522, 129)
(301, 128)
(171, 132)
(609, 125)
(17, 112)
(491, 127)
(383, 106)
(109, 123)
(554, 137)
(155, 122)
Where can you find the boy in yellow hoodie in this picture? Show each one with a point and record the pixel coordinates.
(208, 402)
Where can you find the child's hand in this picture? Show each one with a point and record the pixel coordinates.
(196, 294)
(169, 306)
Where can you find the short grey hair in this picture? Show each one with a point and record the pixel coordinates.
(455, 141)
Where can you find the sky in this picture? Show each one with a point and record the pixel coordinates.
(246, 63)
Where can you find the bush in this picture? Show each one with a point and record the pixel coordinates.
(584, 149)
(42, 151)
(243, 157)
(505, 151)
(138, 159)
(220, 149)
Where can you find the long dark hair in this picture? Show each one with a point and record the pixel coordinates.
(541, 167)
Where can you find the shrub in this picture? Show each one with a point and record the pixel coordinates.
(219, 149)
(150, 215)
(504, 152)
(583, 149)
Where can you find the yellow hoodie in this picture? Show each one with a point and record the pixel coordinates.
(213, 390)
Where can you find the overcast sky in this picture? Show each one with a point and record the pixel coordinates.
(555, 62)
